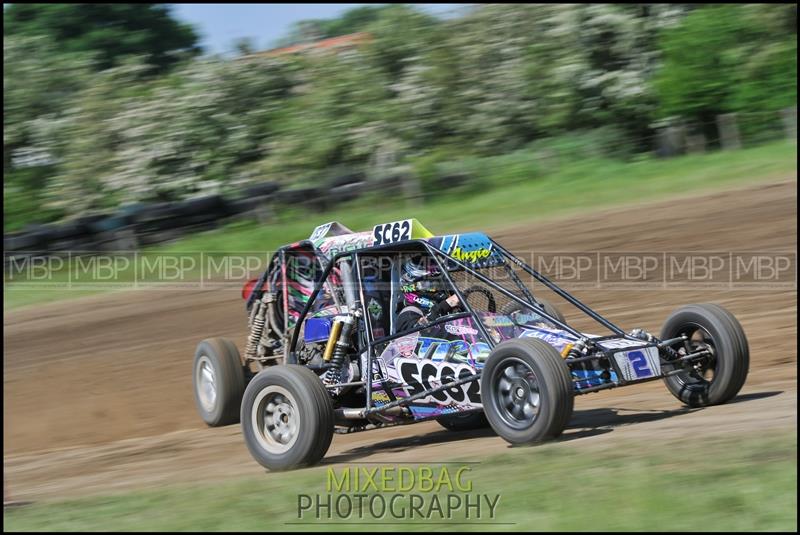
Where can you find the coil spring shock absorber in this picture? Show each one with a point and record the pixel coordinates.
(258, 318)
(337, 347)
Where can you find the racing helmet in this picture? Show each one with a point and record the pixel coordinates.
(420, 282)
(415, 269)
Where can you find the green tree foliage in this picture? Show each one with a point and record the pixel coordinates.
(109, 31)
(506, 75)
(84, 131)
(351, 21)
(199, 130)
(38, 83)
(729, 58)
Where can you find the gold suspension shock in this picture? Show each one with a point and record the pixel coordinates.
(336, 330)
(337, 348)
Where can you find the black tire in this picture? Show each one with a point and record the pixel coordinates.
(260, 189)
(20, 241)
(491, 304)
(556, 394)
(71, 229)
(156, 212)
(731, 360)
(344, 176)
(41, 235)
(308, 401)
(228, 380)
(550, 308)
(298, 195)
(89, 219)
(156, 217)
(211, 206)
(463, 422)
(110, 223)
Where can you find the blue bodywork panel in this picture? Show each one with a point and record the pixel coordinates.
(317, 329)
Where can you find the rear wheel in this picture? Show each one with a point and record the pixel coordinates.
(287, 417)
(526, 390)
(719, 377)
(463, 422)
(218, 378)
(549, 307)
(484, 303)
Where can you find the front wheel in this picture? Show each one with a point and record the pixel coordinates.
(526, 390)
(287, 417)
(719, 377)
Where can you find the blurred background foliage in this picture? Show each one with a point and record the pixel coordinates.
(113, 103)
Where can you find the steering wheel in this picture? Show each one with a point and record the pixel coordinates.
(491, 305)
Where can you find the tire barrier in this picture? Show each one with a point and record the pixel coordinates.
(152, 223)
(261, 189)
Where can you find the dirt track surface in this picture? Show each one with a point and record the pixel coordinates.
(97, 391)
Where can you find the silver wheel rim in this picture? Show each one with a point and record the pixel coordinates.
(275, 419)
(516, 393)
(704, 372)
(206, 384)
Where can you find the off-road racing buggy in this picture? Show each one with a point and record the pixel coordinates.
(324, 352)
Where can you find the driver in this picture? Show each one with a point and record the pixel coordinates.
(425, 294)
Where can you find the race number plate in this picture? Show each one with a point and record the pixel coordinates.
(392, 232)
(638, 364)
(408, 229)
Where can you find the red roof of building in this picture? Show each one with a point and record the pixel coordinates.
(342, 41)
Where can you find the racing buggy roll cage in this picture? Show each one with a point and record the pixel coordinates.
(351, 331)
(586, 352)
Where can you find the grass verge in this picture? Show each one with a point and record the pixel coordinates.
(717, 484)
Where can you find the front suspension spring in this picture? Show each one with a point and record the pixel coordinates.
(256, 330)
(339, 358)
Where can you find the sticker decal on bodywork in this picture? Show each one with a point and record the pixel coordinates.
(621, 343)
(639, 364)
(474, 249)
(421, 375)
